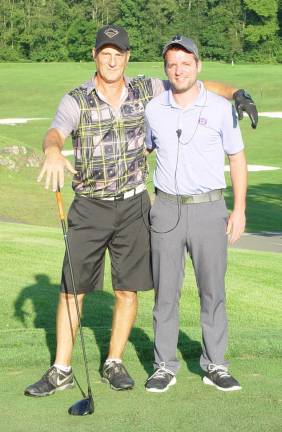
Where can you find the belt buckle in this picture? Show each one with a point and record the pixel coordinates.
(119, 197)
(187, 199)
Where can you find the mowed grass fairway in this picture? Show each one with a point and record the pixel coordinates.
(34, 90)
(31, 261)
(31, 256)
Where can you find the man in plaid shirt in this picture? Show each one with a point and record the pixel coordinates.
(105, 117)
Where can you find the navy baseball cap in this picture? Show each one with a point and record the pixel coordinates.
(184, 42)
(112, 35)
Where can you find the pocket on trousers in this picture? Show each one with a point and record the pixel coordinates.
(154, 209)
(74, 214)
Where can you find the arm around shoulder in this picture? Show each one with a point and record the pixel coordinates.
(220, 89)
(243, 101)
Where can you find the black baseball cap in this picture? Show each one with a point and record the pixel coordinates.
(112, 35)
(184, 42)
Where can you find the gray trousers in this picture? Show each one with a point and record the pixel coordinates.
(201, 231)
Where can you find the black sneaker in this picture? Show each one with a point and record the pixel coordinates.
(53, 380)
(116, 375)
(160, 381)
(219, 377)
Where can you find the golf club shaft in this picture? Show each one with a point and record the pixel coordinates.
(62, 218)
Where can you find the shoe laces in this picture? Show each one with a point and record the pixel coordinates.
(115, 368)
(219, 369)
(161, 372)
(54, 371)
(51, 371)
(48, 375)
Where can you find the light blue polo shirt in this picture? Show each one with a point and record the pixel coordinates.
(209, 130)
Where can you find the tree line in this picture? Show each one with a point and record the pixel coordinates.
(64, 30)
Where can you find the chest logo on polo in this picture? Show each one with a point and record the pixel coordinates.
(203, 121)
(111, 32)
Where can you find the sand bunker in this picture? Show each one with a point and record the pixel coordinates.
(253, 168)
(226, 168)
(271, 114)
(23, 120)
(19, 120)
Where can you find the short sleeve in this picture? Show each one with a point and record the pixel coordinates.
(150, 144)
(231, 134)
(159, 86)
(67, 116)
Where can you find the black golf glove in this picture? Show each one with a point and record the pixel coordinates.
(244, 102)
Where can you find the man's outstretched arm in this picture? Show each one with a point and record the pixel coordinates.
(243, 101)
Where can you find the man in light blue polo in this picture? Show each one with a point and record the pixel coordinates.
(192, 130)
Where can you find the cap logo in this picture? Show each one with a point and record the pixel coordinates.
(177, 38)
(111, 32)
(203, 121)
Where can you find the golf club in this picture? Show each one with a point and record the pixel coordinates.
(86, 405)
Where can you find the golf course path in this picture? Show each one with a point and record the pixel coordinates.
(264, 241)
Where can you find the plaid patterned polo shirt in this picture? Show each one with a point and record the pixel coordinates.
(108, 145)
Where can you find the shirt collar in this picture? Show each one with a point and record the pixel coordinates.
(90, 85)
(201, 101)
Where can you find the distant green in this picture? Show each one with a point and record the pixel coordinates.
(34, 90)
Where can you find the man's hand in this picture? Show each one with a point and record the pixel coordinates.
(53, 168)
(236, 226)
(54, 162)
(244, 102)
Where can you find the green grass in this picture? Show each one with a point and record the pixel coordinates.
(31, 262)
(34, 90)
(31, 257)
(186, 407)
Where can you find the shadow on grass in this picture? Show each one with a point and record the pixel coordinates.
(43, 295)
(264, 207)
(97, 315)
(191, 351)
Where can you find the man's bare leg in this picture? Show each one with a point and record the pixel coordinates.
(124, 316)
(67, 325)
(123, 319)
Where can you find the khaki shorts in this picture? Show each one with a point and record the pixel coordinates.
(121, 226)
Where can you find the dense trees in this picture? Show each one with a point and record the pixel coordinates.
(61, 30)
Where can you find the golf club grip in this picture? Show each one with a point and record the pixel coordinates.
(60, 205)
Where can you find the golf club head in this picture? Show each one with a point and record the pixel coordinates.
(82, 407)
